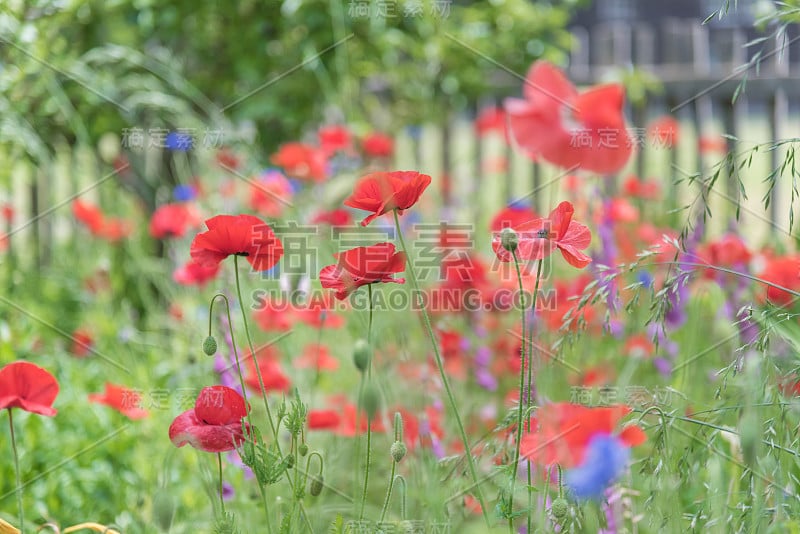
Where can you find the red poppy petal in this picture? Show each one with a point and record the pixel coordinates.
(219, 405)
(28, 386)
(633, 435)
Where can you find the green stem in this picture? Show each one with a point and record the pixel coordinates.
(253, 352)
(445, 382)
(366, 470)
(369, 423)
(388, 492)
(221, 500)
(530, 385)
(521, 393)
(16, 471)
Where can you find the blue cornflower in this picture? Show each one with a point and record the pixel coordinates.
(178, 142)
(184, 193)
(606, 458)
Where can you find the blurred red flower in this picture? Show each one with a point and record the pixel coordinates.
(382, 192)
(316, 357)
(124, 400)
(172, 220)
(663, 131)
(89, 215)
(563, 431)
(28, 386)
(271, 372)
(362, 266)
(302, 161)
(323, 420)
(512, 217)
(270, 194)
(82, 343)
(240, 235)
(336, 217)
(378, 145)
(215, 422)
(568, 128)
(334, 138)
(193, 273)
(785, 272)
(644, 189)
(541, 237)
(491, 119)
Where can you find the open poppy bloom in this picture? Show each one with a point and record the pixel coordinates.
(362, 266)
(317, 357)
(125, 401)
(567, 128)
(270, 194)
(28, 386)
(382, 192)
(215, 422)
(785, 272)
(271, 372)
(239, 235)
(541, 237)
(334, 138)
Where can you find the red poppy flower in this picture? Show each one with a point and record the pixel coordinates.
(302, 161)
(362, 266)
(645, 189)
(785, 272)
(227, 159)
(378, 145)
(323, 420)
(28, 386)
(348, 426)
(271, 317)
(564, 430)
(124, 400)
(240, 235)
(7, 211)
(215, 422)
(713, 144)
(382, 192)
(115, 229)
(639, 346)
(193, 273)
(316, 357)
(172, 220)
(539, 238)
(271, 372)
(334, 138)
(318, 313)
(569, 129)
(89, 215)
(270, 194)
(728, 251)
(337, 217)
(491, 119)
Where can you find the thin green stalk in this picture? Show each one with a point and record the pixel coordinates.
(253, 352)
(445, 382)
(521, 393)
(369, 423)
(221, 500)
(530, 385)
(241, 383)
(388, 492)
(16, 471)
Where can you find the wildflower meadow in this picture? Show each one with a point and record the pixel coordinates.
(423, 267)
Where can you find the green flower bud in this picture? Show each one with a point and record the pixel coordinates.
(559, 508)
(509, 239)
(302, 449)
(210, 346)
(290, 461)
(371, 400)
(316, 486)
(163, 509)
(362, 354)
(398, 450)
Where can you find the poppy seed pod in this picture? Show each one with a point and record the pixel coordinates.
(509, 239)
(316, 486)
(210, 346)
(398, 450)
(362, 354)
(559, 508)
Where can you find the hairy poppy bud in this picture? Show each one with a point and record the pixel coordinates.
(559, 508)
(210, 346)
(163, 509)
(290, 461)
(302, 449)
(362, 353)
(371, 400)
(398, 450)
(509, 239)
(316, 486)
